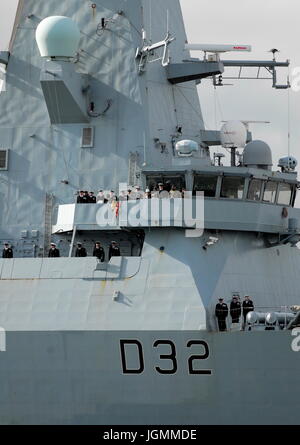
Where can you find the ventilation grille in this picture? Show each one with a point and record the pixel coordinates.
(3, 159)
(87, 137)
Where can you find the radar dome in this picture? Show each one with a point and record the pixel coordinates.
(233, 134)
(257, 154)
(58, 36)
(186, 147)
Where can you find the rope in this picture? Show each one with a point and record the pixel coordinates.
(289, 117)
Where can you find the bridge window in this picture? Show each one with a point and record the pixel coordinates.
(254, 191)
(206, 184)
(270, 190)
(178, 180)
(232, 187)
(285, 194)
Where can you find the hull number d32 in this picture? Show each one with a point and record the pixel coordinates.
(133, 361)
(296, 341)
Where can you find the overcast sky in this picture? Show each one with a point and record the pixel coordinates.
(262, 24)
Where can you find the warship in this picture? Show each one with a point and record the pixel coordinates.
(102, 96)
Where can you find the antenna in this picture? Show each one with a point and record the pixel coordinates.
(167, 21)
(211, 48)
(274, 51)
(144, 35)
(145, 163)
(144, 52)
(289, 121)
(246, 123)
(150, 19)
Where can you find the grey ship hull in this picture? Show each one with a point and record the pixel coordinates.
(77, 378)
(64, 322)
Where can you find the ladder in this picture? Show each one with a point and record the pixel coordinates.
(134, 171)
(48, 222)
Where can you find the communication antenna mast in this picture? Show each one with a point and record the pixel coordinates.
(269, 67)
(148, 48)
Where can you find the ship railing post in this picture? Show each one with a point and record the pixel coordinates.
(72, 242)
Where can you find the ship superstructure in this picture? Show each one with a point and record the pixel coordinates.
(103, 97)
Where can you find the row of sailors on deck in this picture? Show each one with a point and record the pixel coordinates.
(133, 193)
(236, 308)
(81, 251)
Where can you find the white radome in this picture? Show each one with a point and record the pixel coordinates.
(257, 153)
(233, 134)
(186, 147)
(58, 36)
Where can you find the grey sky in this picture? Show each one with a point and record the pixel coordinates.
(7, 15)
(264, 25)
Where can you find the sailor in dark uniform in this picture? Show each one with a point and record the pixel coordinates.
(81, 199)
(221, 313)
(248, 306)
(99, 252)
(53, 252)
(92, 198)
(80, 251)
(7, 251)
(235, 310)
(113, 250)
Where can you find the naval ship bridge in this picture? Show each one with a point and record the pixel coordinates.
(235, 198)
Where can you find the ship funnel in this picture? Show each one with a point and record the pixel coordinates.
(58, 37)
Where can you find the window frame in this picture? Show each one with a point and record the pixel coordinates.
(292, 186)
(276, 193)
(261, 189)
(92, 144)
(6, 150)
(214, 175)
(233, 176)
(163, 177)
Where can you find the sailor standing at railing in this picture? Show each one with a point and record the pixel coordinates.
(100, 197)
(235, 310)
(221, 313)
(114, 250)
(138, 192)
(99, 252)
(7, 251)
(53, 251)
(80, 251)
(92, 198)
(248, 306)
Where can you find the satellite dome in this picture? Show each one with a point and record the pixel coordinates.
(186, 148)
(233, 134)
(258, 154)
(58, 36)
